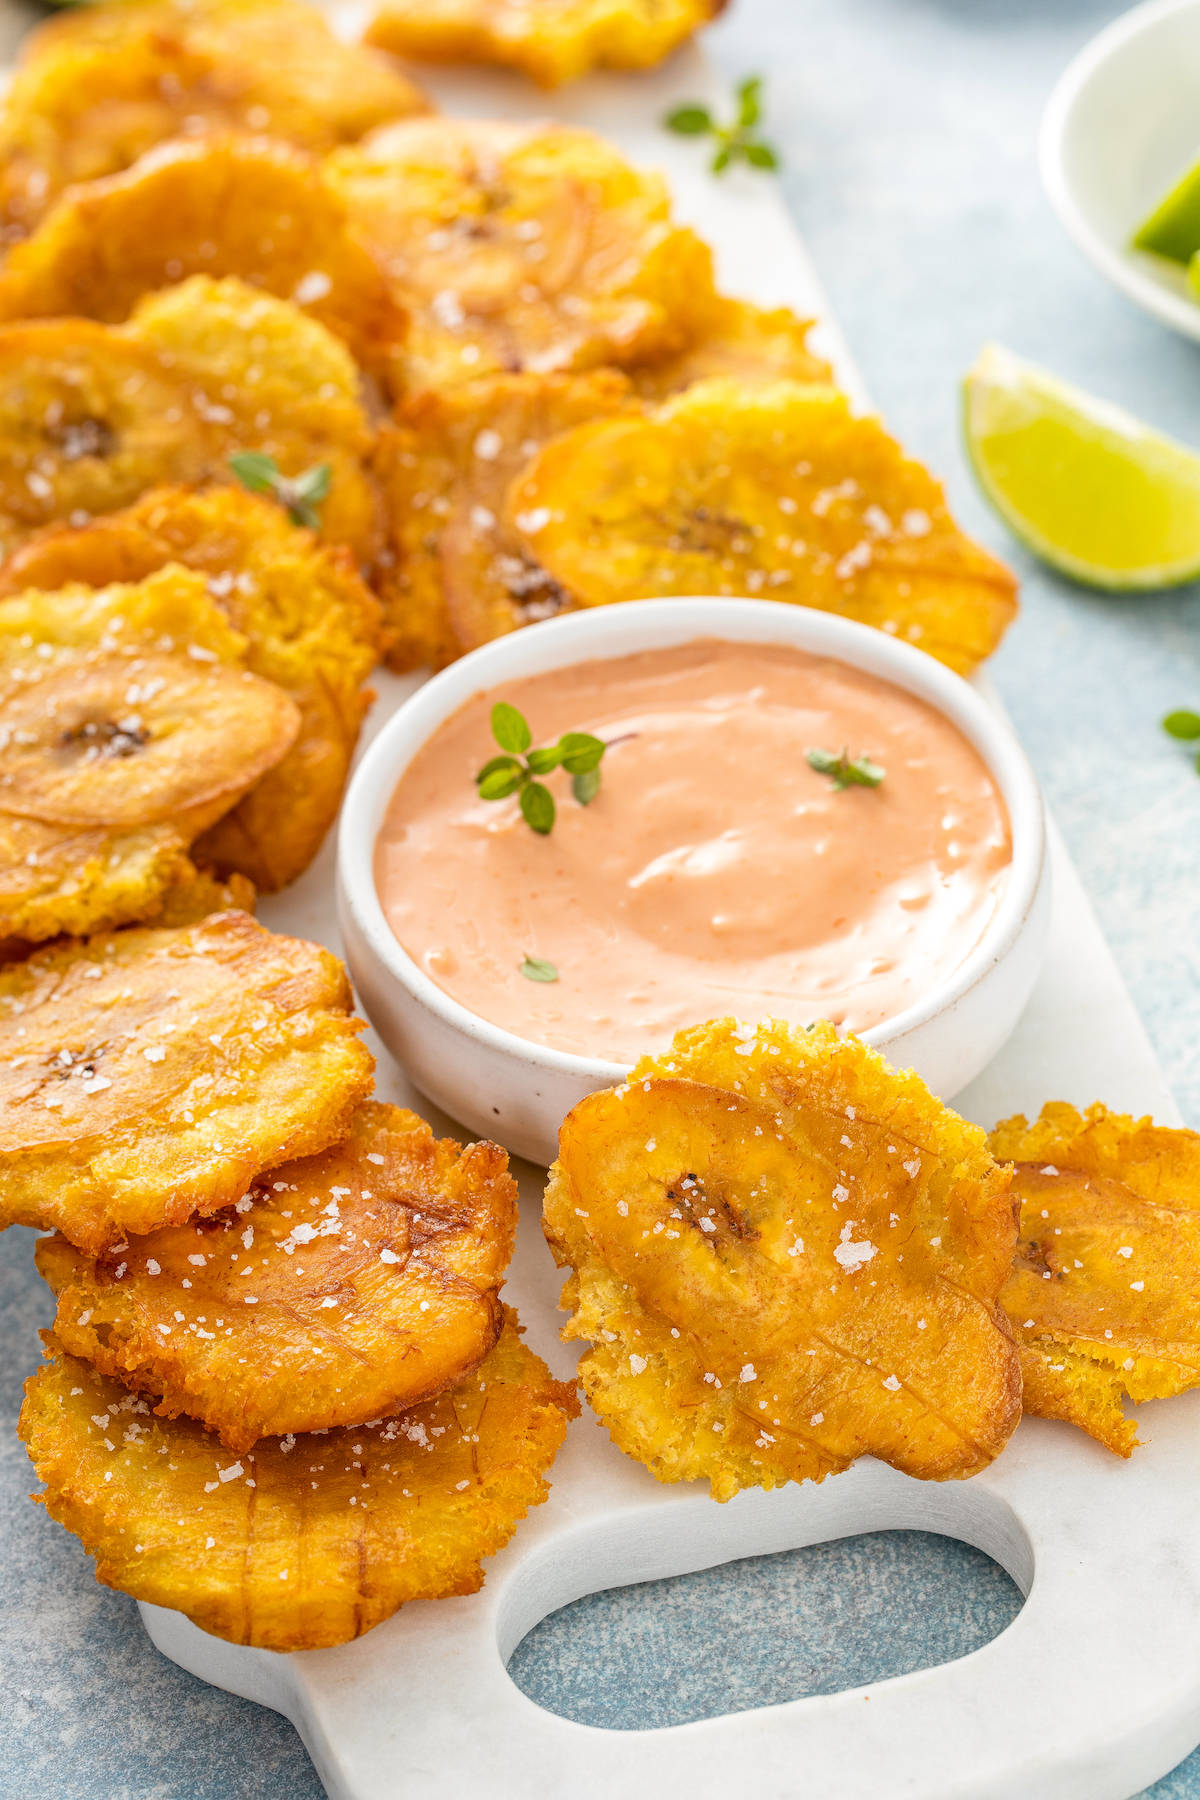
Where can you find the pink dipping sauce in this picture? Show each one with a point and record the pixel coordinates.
(715, 872)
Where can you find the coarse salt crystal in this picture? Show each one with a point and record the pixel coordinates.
(637, 1364)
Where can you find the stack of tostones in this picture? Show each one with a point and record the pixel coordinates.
(552, 41)
(355, 1283)
(786, 1255)
(128, 726)
(93, 415)
(332, 1340)
(457, 574)
(99, 85)
(309, 625)
(1102, 1295)
(248, 207)
(522, 247)
(773, 490)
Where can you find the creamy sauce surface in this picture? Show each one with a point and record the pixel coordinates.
(715, 872)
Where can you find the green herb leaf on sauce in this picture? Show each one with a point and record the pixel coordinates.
(537, 807)
(585, 786)
(509, 728)
(578, 752)
(299, 494)
(735, 141)
(534, 969)
(862, 772)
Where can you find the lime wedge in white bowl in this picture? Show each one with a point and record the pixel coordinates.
(1087, 487)
(1120, 131)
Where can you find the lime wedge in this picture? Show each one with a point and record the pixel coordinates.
(1090, 489)
(1173, 228)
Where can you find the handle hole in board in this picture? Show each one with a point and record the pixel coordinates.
(764, 1630)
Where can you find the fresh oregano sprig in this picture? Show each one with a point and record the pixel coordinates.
(736, 142)
(862, 772)
(1185, 726)
(300, 494)
(514, 773)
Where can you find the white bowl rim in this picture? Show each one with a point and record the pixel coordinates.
(1181, 314)
(580, 636)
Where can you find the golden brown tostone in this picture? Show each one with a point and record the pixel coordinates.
(786, 1255)
(253, 208)
(146, 1075)
(770, 490)
(128, 726)
(348, 1286)
(552, 41)
(1102, 1295)
(303, 1542)
(97, 86)
(310, 624)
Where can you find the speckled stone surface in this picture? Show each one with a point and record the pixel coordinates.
(908, 129)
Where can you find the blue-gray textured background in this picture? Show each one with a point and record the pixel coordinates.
(908, 129)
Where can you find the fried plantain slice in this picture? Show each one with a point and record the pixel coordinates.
(303, 1542)
(199, 892)
(1102, 1295)
(274, 380)
(191, 894)
(786, 1255)
(98, 742)
(348, 1286)
(738, 342)
(146, 1075)
(772, 490)
(521, 247)
(89, 418)
(247, 207)
(127, 727)
(95, 89)
(456, 576)
(311, 626)
(551, 41)
(93, 415)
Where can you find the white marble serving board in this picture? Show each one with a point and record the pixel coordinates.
(1091, 1694)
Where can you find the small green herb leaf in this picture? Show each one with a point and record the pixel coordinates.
(761, 156)
(542, 761)
(533, 968)
(862, 772)
(689, 121)
(313, 485)
(585, 786)
(256, 470)
(537, 807)
(749, 102)
(298, 493)
(498, 762)
(581, 752)
(509, 728)
(500, 783)
(1185, 725)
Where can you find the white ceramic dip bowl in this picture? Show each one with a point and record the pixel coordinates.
(502, 1086)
